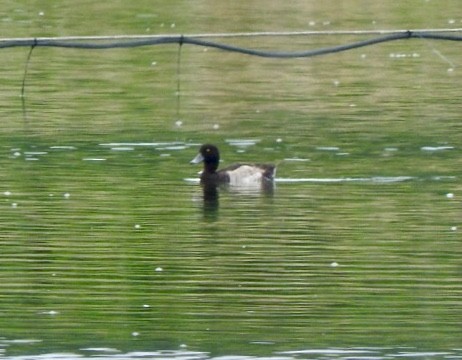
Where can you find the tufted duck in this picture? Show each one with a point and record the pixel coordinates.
(235, 175)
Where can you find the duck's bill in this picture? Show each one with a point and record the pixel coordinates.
(198, 159)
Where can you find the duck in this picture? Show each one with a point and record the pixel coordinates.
(234, 175)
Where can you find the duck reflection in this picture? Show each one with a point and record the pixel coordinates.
(211, 195)
(211, 201)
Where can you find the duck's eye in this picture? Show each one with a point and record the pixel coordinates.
(207, 150)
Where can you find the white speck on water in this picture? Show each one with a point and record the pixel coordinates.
(62, 147)
(135, 333)
(279, 140)
(51, 312)
(123, 148)
(94, 159)
(137, 226)
(450, 70)
(334, 264)
(262, 342)
(216, 127)
(363, 56)
(20, 341)
(336, 82)
(159, 269)
(172, 25)
(17, 154)
(41, 13)
(146, 306)
(296, 159)
(454, 228)
(451, 21)
(144, 144)
(391, 149)
(178, 123)
(242, 142)
(101, 349)
(172, 147)
(436, 148)
(14, 205)
(450, 195)
(328, 148)
(67, 195)
(183, 346)
(32, 153)
(154, 63)
(7, 193)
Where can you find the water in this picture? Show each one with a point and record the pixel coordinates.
(110, 250)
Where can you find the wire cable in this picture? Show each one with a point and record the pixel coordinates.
(121, 42)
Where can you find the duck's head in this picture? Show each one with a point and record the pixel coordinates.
(209, 155)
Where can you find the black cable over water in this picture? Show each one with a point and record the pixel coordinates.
(178, 81)
(23, 85)
(114, 43)
(47, 42)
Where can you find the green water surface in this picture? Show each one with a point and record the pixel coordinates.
(106, 249)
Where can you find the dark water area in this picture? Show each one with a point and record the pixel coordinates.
(110, 247)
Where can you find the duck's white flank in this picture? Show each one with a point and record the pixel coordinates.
(245, 175)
